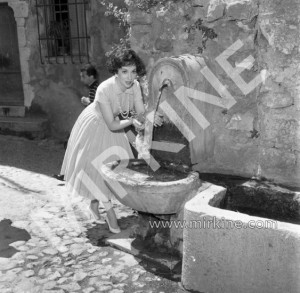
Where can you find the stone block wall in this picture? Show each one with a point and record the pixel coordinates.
(259, 135)
(278, 100)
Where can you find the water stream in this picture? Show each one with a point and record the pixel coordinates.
(143, 141)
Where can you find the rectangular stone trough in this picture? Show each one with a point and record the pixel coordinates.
(233, 252)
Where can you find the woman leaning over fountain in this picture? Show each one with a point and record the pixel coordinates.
(98, 134)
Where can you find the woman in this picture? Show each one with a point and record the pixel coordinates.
(98, 136)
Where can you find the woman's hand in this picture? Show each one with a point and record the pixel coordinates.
(138, 125)
(158, 119)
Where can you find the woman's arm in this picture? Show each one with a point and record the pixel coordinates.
(109, 119)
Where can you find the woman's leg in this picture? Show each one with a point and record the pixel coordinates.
(111, 217)
(94, 212)
(94, 206)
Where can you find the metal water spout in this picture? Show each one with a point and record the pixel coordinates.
(166, 83)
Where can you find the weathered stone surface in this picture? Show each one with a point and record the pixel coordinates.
(281, 165)
(62, 280)
(21, 9)
(216, 10)
(117, 291)
(135, 277)
(32, 257)
(286, 74)
(106, 260)
(275, 20)
(199, 2)
(71, 287)
(104, 288)
(163, 45)
(140, 29)
(242, 10)
(16, 244)
(280, 128)
(243, 122)
(20, 21)
(235, 10)
(278, 100)
(7, 264)
(277, 161)
(54, 276)
(25, 285)
(88, 290)
(23, 248)
(139, 17)
(276, 95)
(119, 277)
(228, 152)
(62, 249)
(79, 276)
(51, 251)
(29, 273)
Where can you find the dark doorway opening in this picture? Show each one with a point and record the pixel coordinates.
(11, 87)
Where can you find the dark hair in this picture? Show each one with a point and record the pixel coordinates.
(125, 57)
(90, 70)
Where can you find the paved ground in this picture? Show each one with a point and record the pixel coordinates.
(47, 241)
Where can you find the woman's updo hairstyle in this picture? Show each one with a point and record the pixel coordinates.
(125, 57)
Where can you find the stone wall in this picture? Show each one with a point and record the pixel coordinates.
(259, 135)
(55, 89)
(278, 100)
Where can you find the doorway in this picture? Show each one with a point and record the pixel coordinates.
(11, 87)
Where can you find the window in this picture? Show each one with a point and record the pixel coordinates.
(62, 29)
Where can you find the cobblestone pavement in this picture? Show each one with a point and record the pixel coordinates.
(66, 252)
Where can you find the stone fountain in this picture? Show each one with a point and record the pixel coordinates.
(161, 183)
(234, 257)
(158, 186)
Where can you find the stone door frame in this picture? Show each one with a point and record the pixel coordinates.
(21, 11)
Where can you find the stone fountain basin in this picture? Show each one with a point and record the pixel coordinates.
(161, 192)
(228, 251)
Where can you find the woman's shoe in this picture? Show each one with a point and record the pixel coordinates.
(111, 229)
(95, 218)
(59, 177)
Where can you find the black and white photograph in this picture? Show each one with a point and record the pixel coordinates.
(149, 146)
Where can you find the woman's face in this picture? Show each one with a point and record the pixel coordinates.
(126, 75)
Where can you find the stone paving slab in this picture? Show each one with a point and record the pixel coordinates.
(126, 242)
(123, 242)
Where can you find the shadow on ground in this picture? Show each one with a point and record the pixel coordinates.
(18, 186)
(38, 156)
(9, 234)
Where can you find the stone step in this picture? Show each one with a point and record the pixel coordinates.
(12, 111)
(33, 126)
